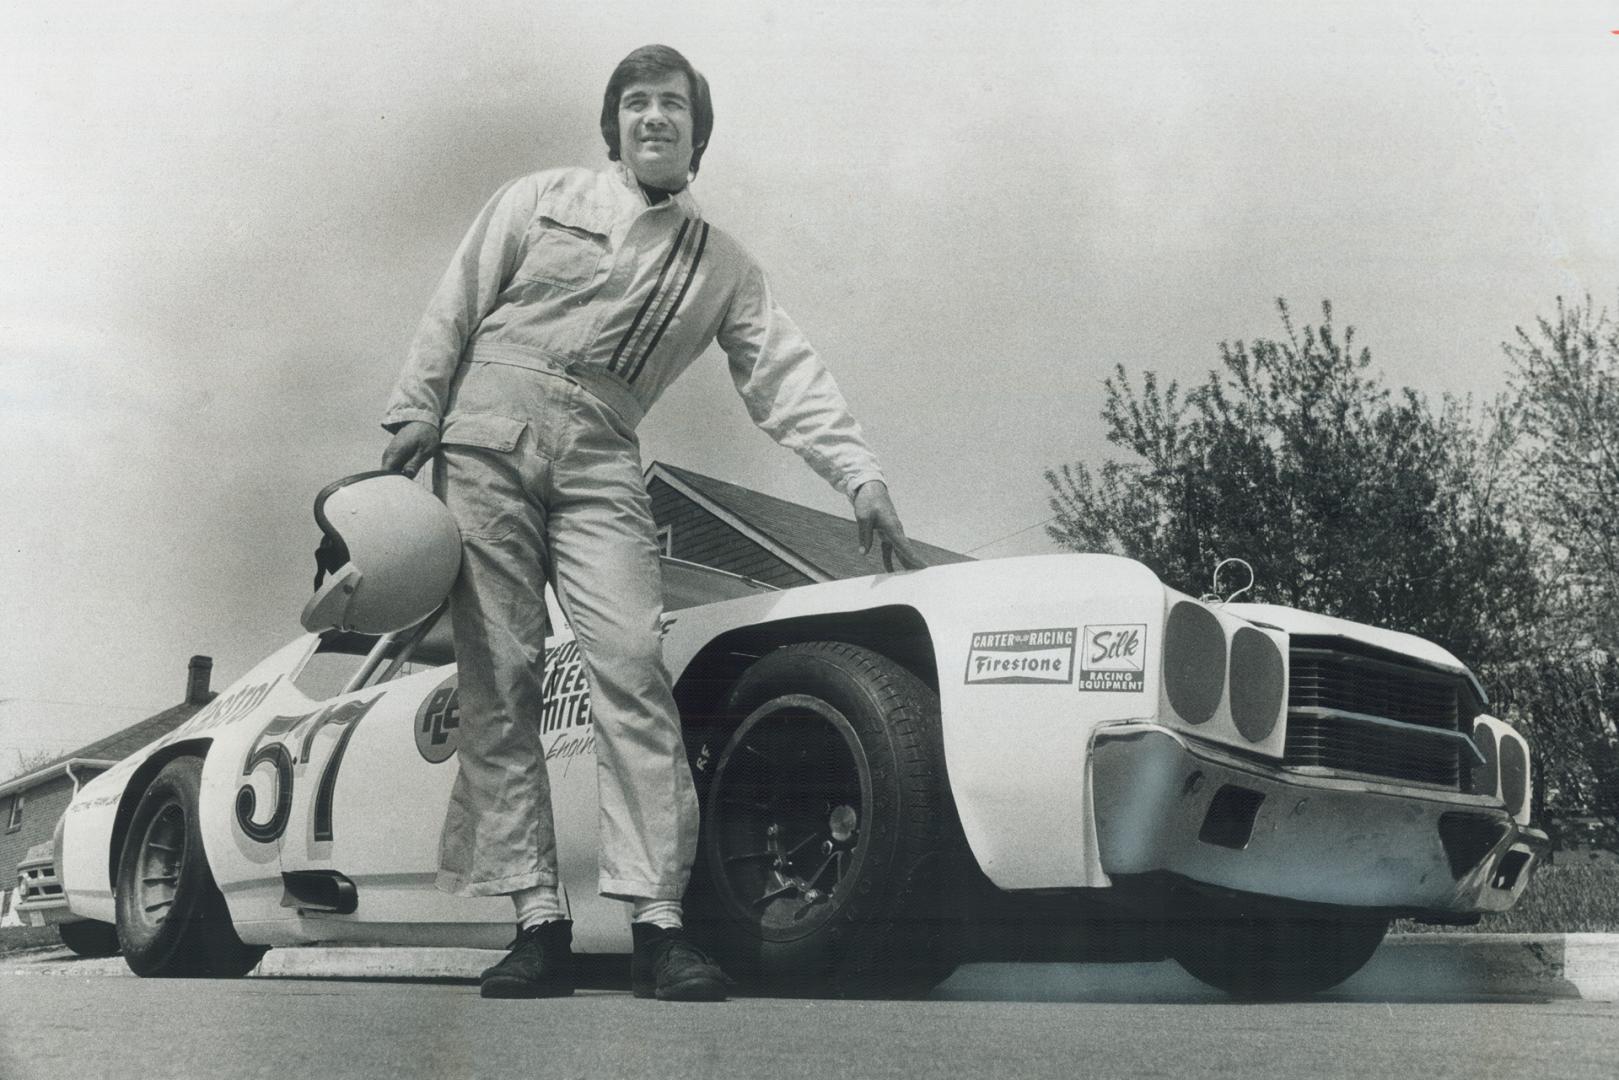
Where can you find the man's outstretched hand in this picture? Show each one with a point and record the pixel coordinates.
(410, 447)
(874, 513)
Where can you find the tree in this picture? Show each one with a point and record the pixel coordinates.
(1566, 694)
(1346, 498)
(29, 760)
(1566, 382)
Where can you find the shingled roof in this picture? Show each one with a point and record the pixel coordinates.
(824, 542)
(125, 741)
(120, 744)
(115, 747)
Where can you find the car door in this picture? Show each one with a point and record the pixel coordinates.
(377, 766)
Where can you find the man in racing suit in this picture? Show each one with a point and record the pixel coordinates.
(575, 299)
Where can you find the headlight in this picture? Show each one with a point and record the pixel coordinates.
(1194, 661)
(1257, 677)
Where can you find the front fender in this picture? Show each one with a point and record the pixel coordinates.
(1030, 656)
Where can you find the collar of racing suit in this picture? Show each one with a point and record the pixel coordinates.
(683, 199)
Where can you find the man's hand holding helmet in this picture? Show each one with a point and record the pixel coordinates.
(410, 447)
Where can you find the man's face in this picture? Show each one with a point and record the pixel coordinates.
(654, 130)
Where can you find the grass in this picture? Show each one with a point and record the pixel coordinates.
(18, 938)
(1578, 893)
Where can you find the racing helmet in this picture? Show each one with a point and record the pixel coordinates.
(392, 551)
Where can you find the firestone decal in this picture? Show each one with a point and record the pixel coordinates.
(567, 706)
(1021, 656)
(1114, 657)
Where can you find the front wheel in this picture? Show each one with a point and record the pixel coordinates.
(1267, 959)
(829, 847)
(172, 919)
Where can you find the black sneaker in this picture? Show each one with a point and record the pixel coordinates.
(669, 967)
(540, 964)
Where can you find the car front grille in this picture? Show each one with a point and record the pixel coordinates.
(1359, 710)
(38, 882)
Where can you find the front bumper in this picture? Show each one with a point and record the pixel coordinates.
(40, 900)
(1165, 804)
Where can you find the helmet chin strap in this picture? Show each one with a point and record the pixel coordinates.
(330, 556)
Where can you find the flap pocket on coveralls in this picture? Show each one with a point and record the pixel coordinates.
(567, 241)
(477, 488)
(486, 430)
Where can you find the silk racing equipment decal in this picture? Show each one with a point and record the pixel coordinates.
(1113, 657)
(1021, 656)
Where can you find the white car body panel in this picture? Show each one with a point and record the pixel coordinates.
(1035, 657)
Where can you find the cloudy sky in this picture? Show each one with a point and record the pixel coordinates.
(219, 224)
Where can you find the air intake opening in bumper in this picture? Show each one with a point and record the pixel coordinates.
(1229, 822)
(1467, 839)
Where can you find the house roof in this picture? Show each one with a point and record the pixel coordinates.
(825, 542)
(111, 748)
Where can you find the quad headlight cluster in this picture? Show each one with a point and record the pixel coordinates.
(1224, 673)
(1505, 771)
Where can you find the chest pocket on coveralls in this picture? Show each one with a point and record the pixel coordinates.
(567, 242)
(480, 509)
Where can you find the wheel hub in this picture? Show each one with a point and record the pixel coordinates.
(161, 854)
(787, 797)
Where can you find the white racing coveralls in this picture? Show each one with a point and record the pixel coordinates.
(569, 307)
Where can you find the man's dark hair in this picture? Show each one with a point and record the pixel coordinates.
(655, 62)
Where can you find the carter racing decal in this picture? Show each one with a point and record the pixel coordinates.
(1114, 657)
(566, 696)
(1021, 656)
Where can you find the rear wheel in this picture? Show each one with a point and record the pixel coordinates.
(172, 919)
(1266, 959)
(829, 849)
(89, 938)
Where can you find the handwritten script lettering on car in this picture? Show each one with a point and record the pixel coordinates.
(1114, 645)
(1114, 657)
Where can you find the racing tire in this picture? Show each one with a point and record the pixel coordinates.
(1255, 959)
(830, 859)
(172, 919)
(89, 938)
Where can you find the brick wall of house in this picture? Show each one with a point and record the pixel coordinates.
(42, 805)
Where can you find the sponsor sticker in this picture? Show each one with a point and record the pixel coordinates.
(1114, 657)
(565, 691)
(438, 723)
(1022, 656)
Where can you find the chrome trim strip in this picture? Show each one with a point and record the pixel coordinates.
(1217, 754)
(1400, 726)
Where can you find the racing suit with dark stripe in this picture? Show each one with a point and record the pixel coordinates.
(569, 307)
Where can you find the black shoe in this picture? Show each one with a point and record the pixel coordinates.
(669, 967)
(540, 964)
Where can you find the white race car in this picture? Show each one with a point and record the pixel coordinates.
(1054, 757)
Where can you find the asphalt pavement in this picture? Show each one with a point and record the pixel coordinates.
(78, 1026)
(1407, 967)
